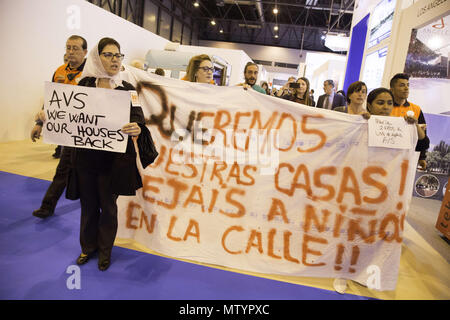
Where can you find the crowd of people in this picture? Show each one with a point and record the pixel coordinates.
(357, 100)
(97, 177)
(380, 101)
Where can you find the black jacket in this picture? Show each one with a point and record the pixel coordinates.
(338, 101)
(125, 177)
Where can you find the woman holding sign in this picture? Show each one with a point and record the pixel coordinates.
(98, 177)
(380, 103)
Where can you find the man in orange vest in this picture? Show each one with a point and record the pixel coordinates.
(400, 89)
(68, 73)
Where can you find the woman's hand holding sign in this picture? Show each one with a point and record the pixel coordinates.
(37, 129)
(132, 129)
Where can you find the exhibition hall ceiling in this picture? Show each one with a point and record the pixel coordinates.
(298, 24)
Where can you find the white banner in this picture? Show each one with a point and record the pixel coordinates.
(84, 117)
(257, 183)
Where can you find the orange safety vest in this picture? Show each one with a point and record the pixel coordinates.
(68, 76)
(400, 111)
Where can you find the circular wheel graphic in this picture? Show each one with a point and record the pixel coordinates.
(427, 185)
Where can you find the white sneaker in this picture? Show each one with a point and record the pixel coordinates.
(340, 285)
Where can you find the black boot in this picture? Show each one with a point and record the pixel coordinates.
(42, 213)
(104, 264)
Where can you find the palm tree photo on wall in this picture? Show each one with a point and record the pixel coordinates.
(438, 160)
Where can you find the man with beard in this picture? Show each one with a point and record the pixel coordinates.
(251, 76)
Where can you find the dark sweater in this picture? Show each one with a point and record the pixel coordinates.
(294, 98)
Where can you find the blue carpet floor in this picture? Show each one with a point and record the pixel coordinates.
(35, 255)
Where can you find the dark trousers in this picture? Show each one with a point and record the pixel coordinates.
(98, 213)
(59, 181)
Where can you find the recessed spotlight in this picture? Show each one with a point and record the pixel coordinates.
(213, 22)
(275, 28)
(196, 4)
(275, 11)
(221, 31)
(434, 42)
(276, 36)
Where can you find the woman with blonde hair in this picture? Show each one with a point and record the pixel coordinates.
(200, 69)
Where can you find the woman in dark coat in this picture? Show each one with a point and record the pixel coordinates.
(99, 177)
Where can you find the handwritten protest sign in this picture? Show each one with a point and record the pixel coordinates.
(332, 207)
(389, 132)
(86, 117)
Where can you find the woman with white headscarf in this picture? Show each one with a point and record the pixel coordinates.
(98, 177)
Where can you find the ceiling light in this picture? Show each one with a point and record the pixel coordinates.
(196, 4)
(434, 42)
(213, 22)
(275, 11)
(221, 31)
(276, 36)
(337, 43)
(275, 28)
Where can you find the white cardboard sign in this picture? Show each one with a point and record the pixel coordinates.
(389, 132)
(85, 117)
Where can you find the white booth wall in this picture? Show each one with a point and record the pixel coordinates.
(280, 74)
(237, 58)
(36, 46)
(263, 75)
(400, 35)
(324, 66)
(308, 61)
(363, 7)
(33, 36)
(258, 52)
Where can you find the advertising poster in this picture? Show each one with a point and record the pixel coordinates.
(374, 68)
(381, 22)
(427, 62)
(432, 182)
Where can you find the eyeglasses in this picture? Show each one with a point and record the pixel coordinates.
(109, 55)
(206, 69)
(74, 48)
